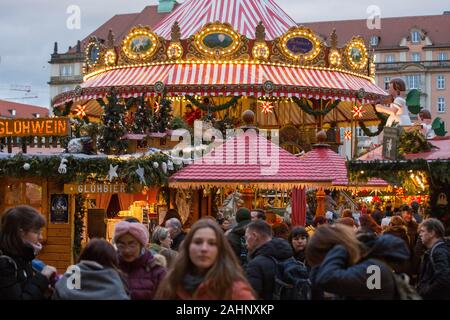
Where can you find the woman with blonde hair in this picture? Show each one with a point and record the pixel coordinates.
(341, 268)
(206, 268)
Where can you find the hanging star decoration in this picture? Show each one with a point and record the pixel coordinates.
(348, 135)
(357, 112)
(140, 172)
(266, 107)
(112, 172)
(157, 107)
(81, 111)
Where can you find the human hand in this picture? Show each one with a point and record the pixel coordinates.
(48, 271)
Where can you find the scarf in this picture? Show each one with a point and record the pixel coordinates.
(192, 282)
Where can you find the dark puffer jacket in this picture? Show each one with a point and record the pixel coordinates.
(336, 277)
(234, 237)
(23, 283)
(143, 276)
(434, 279)
(261, 268)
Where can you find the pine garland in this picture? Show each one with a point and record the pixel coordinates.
(65, 112)
(381, 125)
(80, 212)
(209, 108)
(413, 142)
(304, 105)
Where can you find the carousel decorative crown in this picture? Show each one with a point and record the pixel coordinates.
(219, 42)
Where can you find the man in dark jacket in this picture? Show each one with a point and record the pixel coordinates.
(236, 237)
(261, 267)
(434, 279)
(411, 225)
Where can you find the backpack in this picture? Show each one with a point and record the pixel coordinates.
(243, 252)
(446, 244)
(291, 280)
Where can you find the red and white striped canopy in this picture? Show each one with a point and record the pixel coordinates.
(243, 15)
(226, 79)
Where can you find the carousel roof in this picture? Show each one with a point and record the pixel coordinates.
(243, 15)
(249, 160)
(215, 79)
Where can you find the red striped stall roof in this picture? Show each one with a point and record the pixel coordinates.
(243, 15)
(227, 79)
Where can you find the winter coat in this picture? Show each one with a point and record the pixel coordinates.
(261, 268)
(434, 279)
(240, 291)
(413, 233)
(18, 280)
(96, 282)
(234, 237)
(143, 276)
(335, 276)
(176, 241)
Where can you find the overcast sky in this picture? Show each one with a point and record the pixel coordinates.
(29, 28)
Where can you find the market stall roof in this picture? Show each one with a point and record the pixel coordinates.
(441, 151)
(243, 15)
(233, 78)
(248, 159)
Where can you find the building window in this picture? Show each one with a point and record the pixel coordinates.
(441, 105)
(389, 58)
(387, 80)
(374, 41)
(360, 133)
(12, 112)
(415, 37)
(36, 115)
(442, 56)
(413, 81)
(440, 82)
(66, 70)
(416, 57)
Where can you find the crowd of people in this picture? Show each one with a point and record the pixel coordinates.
(220, 259)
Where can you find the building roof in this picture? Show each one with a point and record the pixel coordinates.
(392, 31)
(250, 160)
(243, 15)
(120, 24)
(327, 164)
(22, 110)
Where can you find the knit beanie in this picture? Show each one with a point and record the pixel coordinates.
(137, 230)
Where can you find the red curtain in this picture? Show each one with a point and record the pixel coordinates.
(125, 200)
(298, 216)
(102, 200)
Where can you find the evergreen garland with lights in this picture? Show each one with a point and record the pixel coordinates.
(111, 134)
(212, 109)
(80, 213)
(381, 125)
(304, 105)
(413, 142)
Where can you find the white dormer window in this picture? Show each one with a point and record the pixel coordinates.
(12, 112)
(415, 37)
(374, 41)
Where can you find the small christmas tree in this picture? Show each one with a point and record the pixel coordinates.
(163, 116)
(142, 118)
(113, 129)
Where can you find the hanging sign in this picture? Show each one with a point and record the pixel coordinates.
(40, 127)
(100, 188)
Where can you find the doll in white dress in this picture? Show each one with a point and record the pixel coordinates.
(397, 110)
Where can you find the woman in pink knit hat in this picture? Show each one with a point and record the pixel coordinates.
(143, 272)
